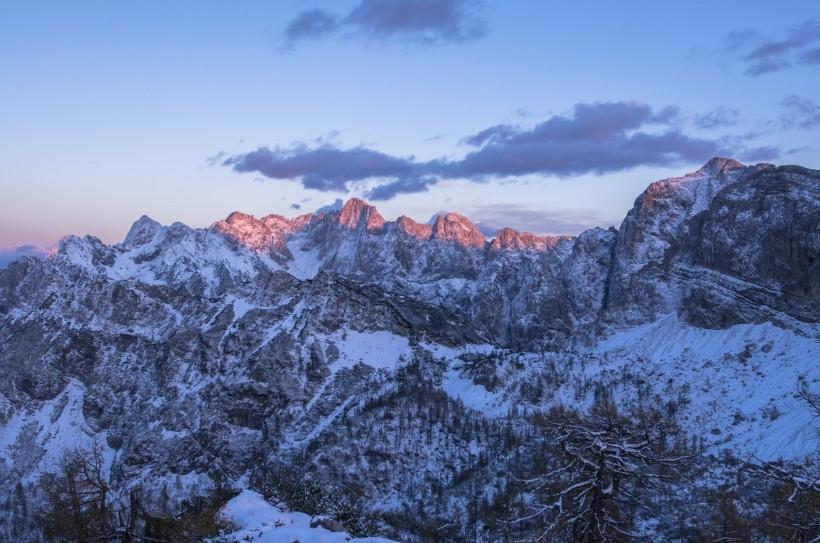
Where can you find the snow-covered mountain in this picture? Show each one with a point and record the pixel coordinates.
(400, 356)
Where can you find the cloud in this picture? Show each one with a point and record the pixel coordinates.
(400, 186)
(719, 117)
(761, 55)
(311, 23)
(810, 57)
(596, 138)
(766, 65)
(593, 138)
(324, 167)
(491, 218)
(428, 22)
(763, 153)
(743, 148)
(10, 254)
(800, 112)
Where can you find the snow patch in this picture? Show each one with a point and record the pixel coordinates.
(44, 434)
(305, 264)
(254, 519)
(380, 349)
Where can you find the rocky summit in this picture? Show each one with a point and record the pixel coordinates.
(409, 360)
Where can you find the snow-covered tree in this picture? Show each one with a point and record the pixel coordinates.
(595, 474)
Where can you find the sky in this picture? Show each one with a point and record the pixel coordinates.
(549, 117)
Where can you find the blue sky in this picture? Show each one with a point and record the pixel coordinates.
(112, 110)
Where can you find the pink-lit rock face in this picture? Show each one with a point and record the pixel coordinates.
(266, 235)
(300, 221)
(271, 234)
(357, 214)
(509, 239)
(412, 228)
(457, 228)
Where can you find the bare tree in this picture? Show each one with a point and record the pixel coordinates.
(601, 464)
(798, 478)
(82, 506)
(78, 499)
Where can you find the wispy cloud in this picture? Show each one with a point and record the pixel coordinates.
(593, 138)
(10, 254)
(759, 54)
(800, 112)
(720, 117)
(428, 22)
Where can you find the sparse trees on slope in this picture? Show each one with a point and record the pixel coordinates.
(82, 506)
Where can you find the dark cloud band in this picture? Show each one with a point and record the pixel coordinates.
(594, 138)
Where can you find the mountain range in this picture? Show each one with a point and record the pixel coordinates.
(404, 358)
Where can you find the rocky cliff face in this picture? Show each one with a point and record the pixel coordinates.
(352, 342)
(707, 245)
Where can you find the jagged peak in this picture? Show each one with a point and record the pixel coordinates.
(274, 221)
(508, 238)
(458, 228)
(274, 218)
(718, 165)
(704, 181)
(596, 234)
(438, 214)
(266, 234)
(142, 232)
(239, 216)
(302, 220)
(358, 214)
(84, 251)
(70, 240)
(413, 228)
(238, 223)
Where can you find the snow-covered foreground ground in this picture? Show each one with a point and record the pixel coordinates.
(255, 520)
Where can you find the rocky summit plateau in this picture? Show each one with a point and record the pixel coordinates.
(416, 369)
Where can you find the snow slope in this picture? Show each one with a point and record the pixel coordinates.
(741, 382)
(33, 440)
